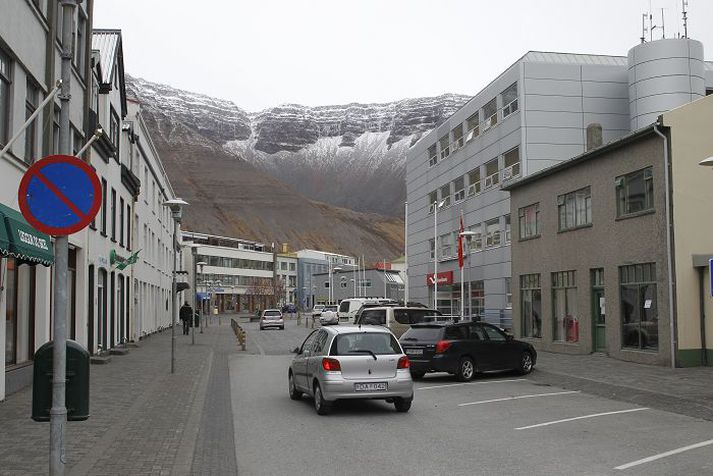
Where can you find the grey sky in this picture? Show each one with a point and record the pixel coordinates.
(262, 53)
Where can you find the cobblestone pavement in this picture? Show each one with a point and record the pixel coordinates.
(688, 391)
(144, 421)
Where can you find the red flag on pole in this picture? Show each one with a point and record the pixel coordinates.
(460, 242)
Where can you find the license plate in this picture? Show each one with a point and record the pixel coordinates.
(414, 351)
(371, 387)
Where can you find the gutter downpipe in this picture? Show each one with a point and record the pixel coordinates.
(701, 301)
(672, 326)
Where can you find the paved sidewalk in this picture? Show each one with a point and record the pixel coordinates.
(144, 421)
(688, 391)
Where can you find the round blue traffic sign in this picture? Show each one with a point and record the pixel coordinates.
(60, 195)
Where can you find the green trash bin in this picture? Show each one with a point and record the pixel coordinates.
(77, 386)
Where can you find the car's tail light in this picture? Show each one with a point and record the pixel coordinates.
(442, 346)
(331, 365)
(403, 363)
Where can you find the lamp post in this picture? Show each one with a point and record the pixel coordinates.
(200, 265)
(436, 206)
(468, 235)
(176, 205)
(334, 270)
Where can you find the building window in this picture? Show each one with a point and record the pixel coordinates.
(121, 221)
(476, 242)
(564, 307)
(431, 248)
(326, 284)
(80, 52)
(283, 266)
(473, 126)
(490, 114)
(575, 209)
(529, 221)
(432, 156)
(635, 192)
(446, 195)
(5, 83)
(104, 200)
(113, 215)
(293, 281)
(474, 182)
(639, 308)
(32, 100)
(492, 233)
(432, 200)
(508, 237)
(458, 137)
(459, 187)
(509, 97)
(512, 163)
(508, 293)
(446, 246)
(55, 130)
(477, 298)
(114, 131)
(491, 174)
(292, 267)
(445, 146)
(531, 305)
(128, 227)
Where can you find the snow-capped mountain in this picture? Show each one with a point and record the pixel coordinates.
(351, 156)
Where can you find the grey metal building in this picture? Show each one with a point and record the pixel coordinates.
(533, 115)
(347, 284)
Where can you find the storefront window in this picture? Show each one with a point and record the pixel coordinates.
(531, 305)
(639, 306)
(10, 312)
(477, 298)
(19, 283)
(564, 306)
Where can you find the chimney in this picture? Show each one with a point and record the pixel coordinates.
(594, 136)
(285, 248)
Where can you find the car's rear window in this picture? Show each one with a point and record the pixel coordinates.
(380, 343)
(272, 314)
(422, 334)
(415, 316)
(330, 308)
(373, 316)
(344, 306)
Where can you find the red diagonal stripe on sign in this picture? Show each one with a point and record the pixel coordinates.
(53, 188)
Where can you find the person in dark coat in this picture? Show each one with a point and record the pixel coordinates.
(186, 314)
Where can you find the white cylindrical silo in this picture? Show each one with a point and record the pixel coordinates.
(663, 75)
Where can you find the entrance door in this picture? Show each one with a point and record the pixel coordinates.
(599, 320)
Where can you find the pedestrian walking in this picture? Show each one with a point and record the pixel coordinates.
(186, 314)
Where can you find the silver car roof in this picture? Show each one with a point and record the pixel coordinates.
(343, 329)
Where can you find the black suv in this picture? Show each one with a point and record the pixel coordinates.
(464, 348)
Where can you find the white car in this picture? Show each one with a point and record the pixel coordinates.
(272, 318)
(329, 315)
(317, 310)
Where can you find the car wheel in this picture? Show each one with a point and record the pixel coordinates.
(526, 364)
(283, 328)
(403, 404)
(322, 406)
(294, 393)
(417, 375)
(466, 370)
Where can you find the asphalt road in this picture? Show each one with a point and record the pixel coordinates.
(493, 425)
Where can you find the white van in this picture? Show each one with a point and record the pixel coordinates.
(349, 307)
(397, 319)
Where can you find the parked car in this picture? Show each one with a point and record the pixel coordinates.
(350, 362)
(348, 308)
(289, 308)
(271, 318)
(465, 348)
(397, 319)
(317, 310)
(329, 315)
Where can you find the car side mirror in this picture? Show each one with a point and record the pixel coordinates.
(296, 350)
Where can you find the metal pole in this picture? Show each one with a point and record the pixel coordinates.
(193, 319)
(435, 255)
(462, 290)
(173, 300)
(200, 309)
(470, 287)
(58, 412)
(406, 296)
(385, 279)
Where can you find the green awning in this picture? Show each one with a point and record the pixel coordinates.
(19, 240)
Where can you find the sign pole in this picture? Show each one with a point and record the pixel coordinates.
(58, 412)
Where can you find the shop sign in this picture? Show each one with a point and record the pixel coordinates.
(445, 277)
(121, 262)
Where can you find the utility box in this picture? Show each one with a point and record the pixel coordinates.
(77, 385)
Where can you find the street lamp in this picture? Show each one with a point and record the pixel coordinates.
(468, 235)
(200, 265)
(707, 162)
(436, 206)
(176, 205)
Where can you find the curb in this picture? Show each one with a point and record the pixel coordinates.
(644, 397)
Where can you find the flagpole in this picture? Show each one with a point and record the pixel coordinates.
(460, 263)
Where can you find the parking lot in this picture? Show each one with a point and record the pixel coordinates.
(497, 424)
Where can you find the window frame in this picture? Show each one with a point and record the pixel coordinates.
(493, 177)
(641, 278)
(523, 223)
(623, 194)
(31, 105)
(492, 237)
(445, 151)
(511, 106)
(512, 170)
(492, 119)
(474, 186)
(6, 79)
(459, 194)
(473, 126)
(531, 286)
(564, 286)
(563, 202)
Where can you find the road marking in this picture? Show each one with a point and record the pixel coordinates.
(534, 395)
(471, 383)
(593, 415)
(664, 455)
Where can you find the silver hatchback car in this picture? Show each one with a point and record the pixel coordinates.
(351, 362)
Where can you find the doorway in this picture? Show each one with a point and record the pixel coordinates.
(599, 334)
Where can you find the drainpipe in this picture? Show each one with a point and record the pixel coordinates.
(702, 302)
(672, 326)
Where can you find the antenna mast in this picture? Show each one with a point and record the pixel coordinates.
(685, 18)
(663, 25)
(643, 27)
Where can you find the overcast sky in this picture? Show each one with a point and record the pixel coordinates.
(262, 53)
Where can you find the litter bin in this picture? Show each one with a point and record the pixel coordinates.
(77, 384)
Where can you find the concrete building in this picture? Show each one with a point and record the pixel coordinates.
(311, 262)
(533, 115)
(619, 282)
(286, 273)
(238, 274)
(374, 282)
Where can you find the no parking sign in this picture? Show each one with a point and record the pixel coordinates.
(60, 195)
